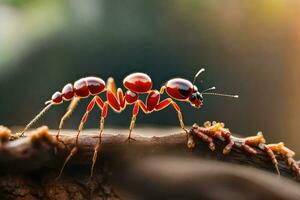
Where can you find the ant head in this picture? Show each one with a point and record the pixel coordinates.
(196, 98)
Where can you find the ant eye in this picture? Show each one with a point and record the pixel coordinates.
(193, 97)
(199, 96)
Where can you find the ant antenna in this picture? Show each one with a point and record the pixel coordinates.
(198, 73)
(208, 89)
(45, 109)
(220, 94)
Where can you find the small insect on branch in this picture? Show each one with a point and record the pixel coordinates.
(136, 84)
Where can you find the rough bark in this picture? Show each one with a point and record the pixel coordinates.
(150, 167)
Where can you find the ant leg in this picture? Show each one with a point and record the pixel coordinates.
(162, 89)
(38, 116)
(135, 111)
(143, 107)
(121, 98)
(83, 120)
(111, 85)
(177, 108)
(138, 104)
(165, 103)
(97, 147)
(69, 112)
(115, 97)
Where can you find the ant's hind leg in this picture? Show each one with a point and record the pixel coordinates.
(135, 112)
(38, 116)
(83, 120)
(97, 147)
(69, 112)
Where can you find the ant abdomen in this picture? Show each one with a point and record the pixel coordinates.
(68, 92)
(56, 98)
(82, 88)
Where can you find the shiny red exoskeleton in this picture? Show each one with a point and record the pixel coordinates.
(136, 84)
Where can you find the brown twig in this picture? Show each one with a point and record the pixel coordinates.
(40, 148)
(39, 152)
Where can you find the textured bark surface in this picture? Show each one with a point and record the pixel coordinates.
(151, 167)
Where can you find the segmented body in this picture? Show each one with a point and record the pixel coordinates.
(136, 84)
(82, 88)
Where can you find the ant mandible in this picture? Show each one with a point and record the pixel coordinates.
(136, 84)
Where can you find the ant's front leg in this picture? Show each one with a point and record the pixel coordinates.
(165, 103)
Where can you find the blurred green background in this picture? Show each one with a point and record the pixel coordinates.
(250, 48)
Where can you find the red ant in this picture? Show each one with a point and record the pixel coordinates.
(136, 84)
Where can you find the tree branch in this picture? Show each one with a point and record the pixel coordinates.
(39, 152)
